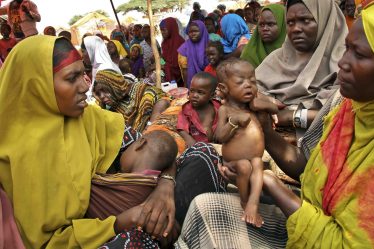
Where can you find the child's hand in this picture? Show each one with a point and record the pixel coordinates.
(251, 216)
(241, 119)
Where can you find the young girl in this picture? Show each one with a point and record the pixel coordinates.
(198, 119)
(136, 56)
(191, 56)
(214, 52)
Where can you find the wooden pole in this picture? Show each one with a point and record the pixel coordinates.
(115, 14)
(153, 44)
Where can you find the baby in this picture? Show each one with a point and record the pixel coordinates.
(241, 134)
(198, 118)
(140, 165)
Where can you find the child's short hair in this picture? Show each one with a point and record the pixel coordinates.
(218, 45)
(204, 75)
(224, 68)
(125, 65)
(163, 146)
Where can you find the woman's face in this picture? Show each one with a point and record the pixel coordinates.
(209, 24)
(70, 89)
(302, 29)
(267, 27)
(248, 15)
(112, 49)
(135, 52)
(103, 95)
(165, 33)
(194, 33)
(356, 72)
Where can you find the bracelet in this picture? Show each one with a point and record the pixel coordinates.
(297, 119)
(168, 177)
(304, 118)
(234, 126)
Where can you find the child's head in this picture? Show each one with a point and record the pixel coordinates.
(5, 30)
(137, 30)
(155, 150)
(210, 24)
(202, 89)
(125, 66)
(214, 52)
(237, 80)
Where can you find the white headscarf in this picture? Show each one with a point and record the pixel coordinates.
(99, 57)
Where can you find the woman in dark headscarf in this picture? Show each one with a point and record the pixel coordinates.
(192, 57)
(171, 42)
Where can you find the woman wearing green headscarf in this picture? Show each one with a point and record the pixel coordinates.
(269, 34)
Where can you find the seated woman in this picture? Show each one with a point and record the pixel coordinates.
(336, 183)
(172, 40)
(80, 140)
(212, 27)
(268, 36)
(302, 72)
(191, 57)
(251, 15)
(116, 51)
(138, 103)
(136, 57)
(235, 35)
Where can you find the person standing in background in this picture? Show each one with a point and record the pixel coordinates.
(22, 17)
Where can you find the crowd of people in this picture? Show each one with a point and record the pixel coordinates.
(94, 155)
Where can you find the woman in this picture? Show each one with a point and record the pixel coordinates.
(136, 57)
(235, 34)
(336, 184)
(191, 56)
(138, 103)
(170, 44)
(212, 27)
(251, 15)
(303, 70)
(95, 53)
(268, 36)
(80, 141)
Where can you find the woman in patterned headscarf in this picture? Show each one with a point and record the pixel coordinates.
(138, 103)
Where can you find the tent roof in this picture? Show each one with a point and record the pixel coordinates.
(90, 16)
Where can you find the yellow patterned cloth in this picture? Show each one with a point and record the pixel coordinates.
(368, 22)
(47, 160)
(337, 184)
(134, 101)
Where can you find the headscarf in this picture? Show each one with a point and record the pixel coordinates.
(134, 101)
(294, 77)
(47, 159)
(169, 48)
(138, 63)
(195, 52)
(99, 56)
(233, 28)
(368, 22)
(256, 50)
(121, 50)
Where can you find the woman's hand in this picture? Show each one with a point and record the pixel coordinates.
(157, 216)
(127, 219)
(228, 171)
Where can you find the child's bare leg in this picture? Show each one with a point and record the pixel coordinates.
(251, 172)
(284, 198)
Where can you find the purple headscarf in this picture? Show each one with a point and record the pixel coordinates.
(195, 52)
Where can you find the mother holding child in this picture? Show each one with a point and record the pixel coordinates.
(336, 179)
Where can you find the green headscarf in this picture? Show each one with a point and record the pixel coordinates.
(256, 51)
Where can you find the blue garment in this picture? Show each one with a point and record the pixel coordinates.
(233, 28)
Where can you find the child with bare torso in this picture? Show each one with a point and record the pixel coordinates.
(240, 132)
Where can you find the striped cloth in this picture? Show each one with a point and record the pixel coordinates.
(213, 221)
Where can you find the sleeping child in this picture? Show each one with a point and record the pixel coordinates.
(140, 166)
(241, 134)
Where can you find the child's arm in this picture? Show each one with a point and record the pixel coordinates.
(228, 124)
(187, 137)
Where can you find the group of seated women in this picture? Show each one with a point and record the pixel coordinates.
(61, 184)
